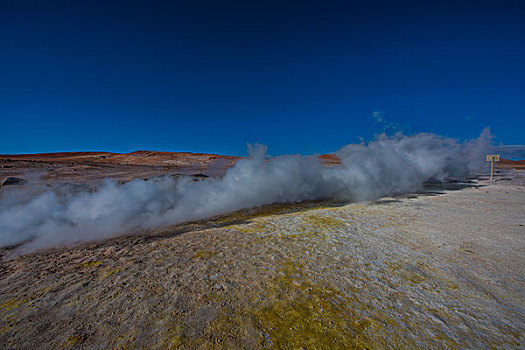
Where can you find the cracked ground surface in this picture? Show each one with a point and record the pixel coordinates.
(443, 269)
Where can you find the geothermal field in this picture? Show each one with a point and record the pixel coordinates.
(403, 243)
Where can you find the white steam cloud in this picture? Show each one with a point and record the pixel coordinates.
(389, 165)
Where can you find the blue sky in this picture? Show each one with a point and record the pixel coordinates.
(300, 76)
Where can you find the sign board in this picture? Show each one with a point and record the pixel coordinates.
(492, 157)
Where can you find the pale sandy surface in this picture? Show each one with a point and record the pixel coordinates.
(439, 270)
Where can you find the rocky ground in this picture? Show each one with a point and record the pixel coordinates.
(440, 269)
(87, 167)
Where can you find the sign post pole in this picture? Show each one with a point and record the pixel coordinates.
(492, 158)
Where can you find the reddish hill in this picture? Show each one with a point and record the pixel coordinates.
(507, 163)
(58, 156)
(330, 159)
(151, 158)
(154, 158)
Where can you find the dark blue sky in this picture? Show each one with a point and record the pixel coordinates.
(300, 76)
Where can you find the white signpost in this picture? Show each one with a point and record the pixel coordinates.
(492, 158)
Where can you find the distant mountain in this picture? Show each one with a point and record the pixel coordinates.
(511, 156)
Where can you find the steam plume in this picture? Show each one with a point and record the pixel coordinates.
(388, 165)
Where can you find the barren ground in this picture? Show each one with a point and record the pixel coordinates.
(438, 269)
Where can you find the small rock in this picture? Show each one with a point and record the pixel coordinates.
(12, 181)
(218, 286)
